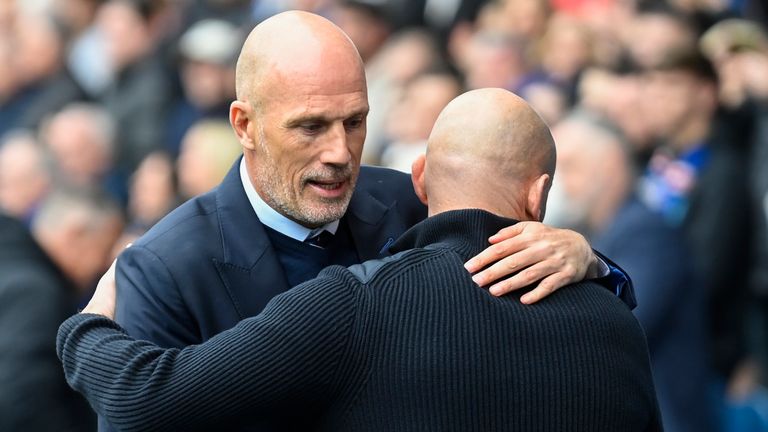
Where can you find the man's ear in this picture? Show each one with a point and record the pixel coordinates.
(241, 123)
(536, 204)
(417, 177)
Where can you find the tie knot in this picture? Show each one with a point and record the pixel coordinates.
(321, 240)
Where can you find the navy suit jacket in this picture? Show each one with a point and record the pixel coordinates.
(209, 263)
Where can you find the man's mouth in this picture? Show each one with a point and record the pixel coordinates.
(330, 189)
(326, 185)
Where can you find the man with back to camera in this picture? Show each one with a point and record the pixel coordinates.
(407, 342)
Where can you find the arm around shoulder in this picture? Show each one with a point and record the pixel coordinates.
(283, 356)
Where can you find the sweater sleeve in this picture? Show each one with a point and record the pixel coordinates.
(285, 355)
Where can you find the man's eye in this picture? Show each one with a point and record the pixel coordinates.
(353, 123)
(312, 128)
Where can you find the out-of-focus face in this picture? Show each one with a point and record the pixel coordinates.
(82, 252)
(124, 32)
(412, 119)
(75, 13)
(37, 53)
(23, 182)
(367, 33)
(309, 136)
(8, 78)
(575, 172)
(526, 17)
(567, 50)
(493, 62)
(591, 175)
(152, 191)
(92, 251)
(76, 149)
(197, 174)
(204, 83)
(670, 99)
(652, 36)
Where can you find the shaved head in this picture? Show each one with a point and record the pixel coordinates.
(293, 44)
(487, 150)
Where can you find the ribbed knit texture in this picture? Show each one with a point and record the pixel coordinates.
(411, 344)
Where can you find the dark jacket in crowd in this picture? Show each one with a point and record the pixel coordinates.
(406, 343)
(718, 233)
(137, 101)
(34, 299)
(672, 310)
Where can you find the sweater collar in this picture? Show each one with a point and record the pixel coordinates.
(464, 231)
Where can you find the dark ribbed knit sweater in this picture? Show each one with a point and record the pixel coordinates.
(408, 343)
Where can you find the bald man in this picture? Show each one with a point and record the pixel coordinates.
(405, 343)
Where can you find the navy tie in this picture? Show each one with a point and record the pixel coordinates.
(321, 240)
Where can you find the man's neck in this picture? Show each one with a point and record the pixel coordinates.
(505, 213)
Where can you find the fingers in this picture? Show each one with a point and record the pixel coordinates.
(546, 287)
(505, 243)
(508, 232)
(523, 278)
(510, 264)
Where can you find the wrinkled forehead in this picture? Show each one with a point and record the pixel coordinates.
(315, 80)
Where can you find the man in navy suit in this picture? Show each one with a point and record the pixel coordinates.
(300, 117)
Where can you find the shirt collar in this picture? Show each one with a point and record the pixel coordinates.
(271, 218)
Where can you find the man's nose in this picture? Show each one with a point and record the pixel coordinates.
(335, 150)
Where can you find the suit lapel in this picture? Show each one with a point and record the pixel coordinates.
(251, 272)
(372, 225)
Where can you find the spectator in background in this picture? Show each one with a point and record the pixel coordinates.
(42, 83)
(697, 181)
(564, 52)
(76, 228)
(497, 60)
(81, 142)
(24, 175)
(365, 22)
(152, 192)
(527, 19)
(207, 154)
(86, 49)
(40, 281)
(655, 32)
(9, 85)
(138, 97)
(208, 53)
(739, 48)
(548, 99)
(406, 55)
(597, 177)
(411, 120)
(617, 96)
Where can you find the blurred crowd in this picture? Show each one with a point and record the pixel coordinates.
(659, 110)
